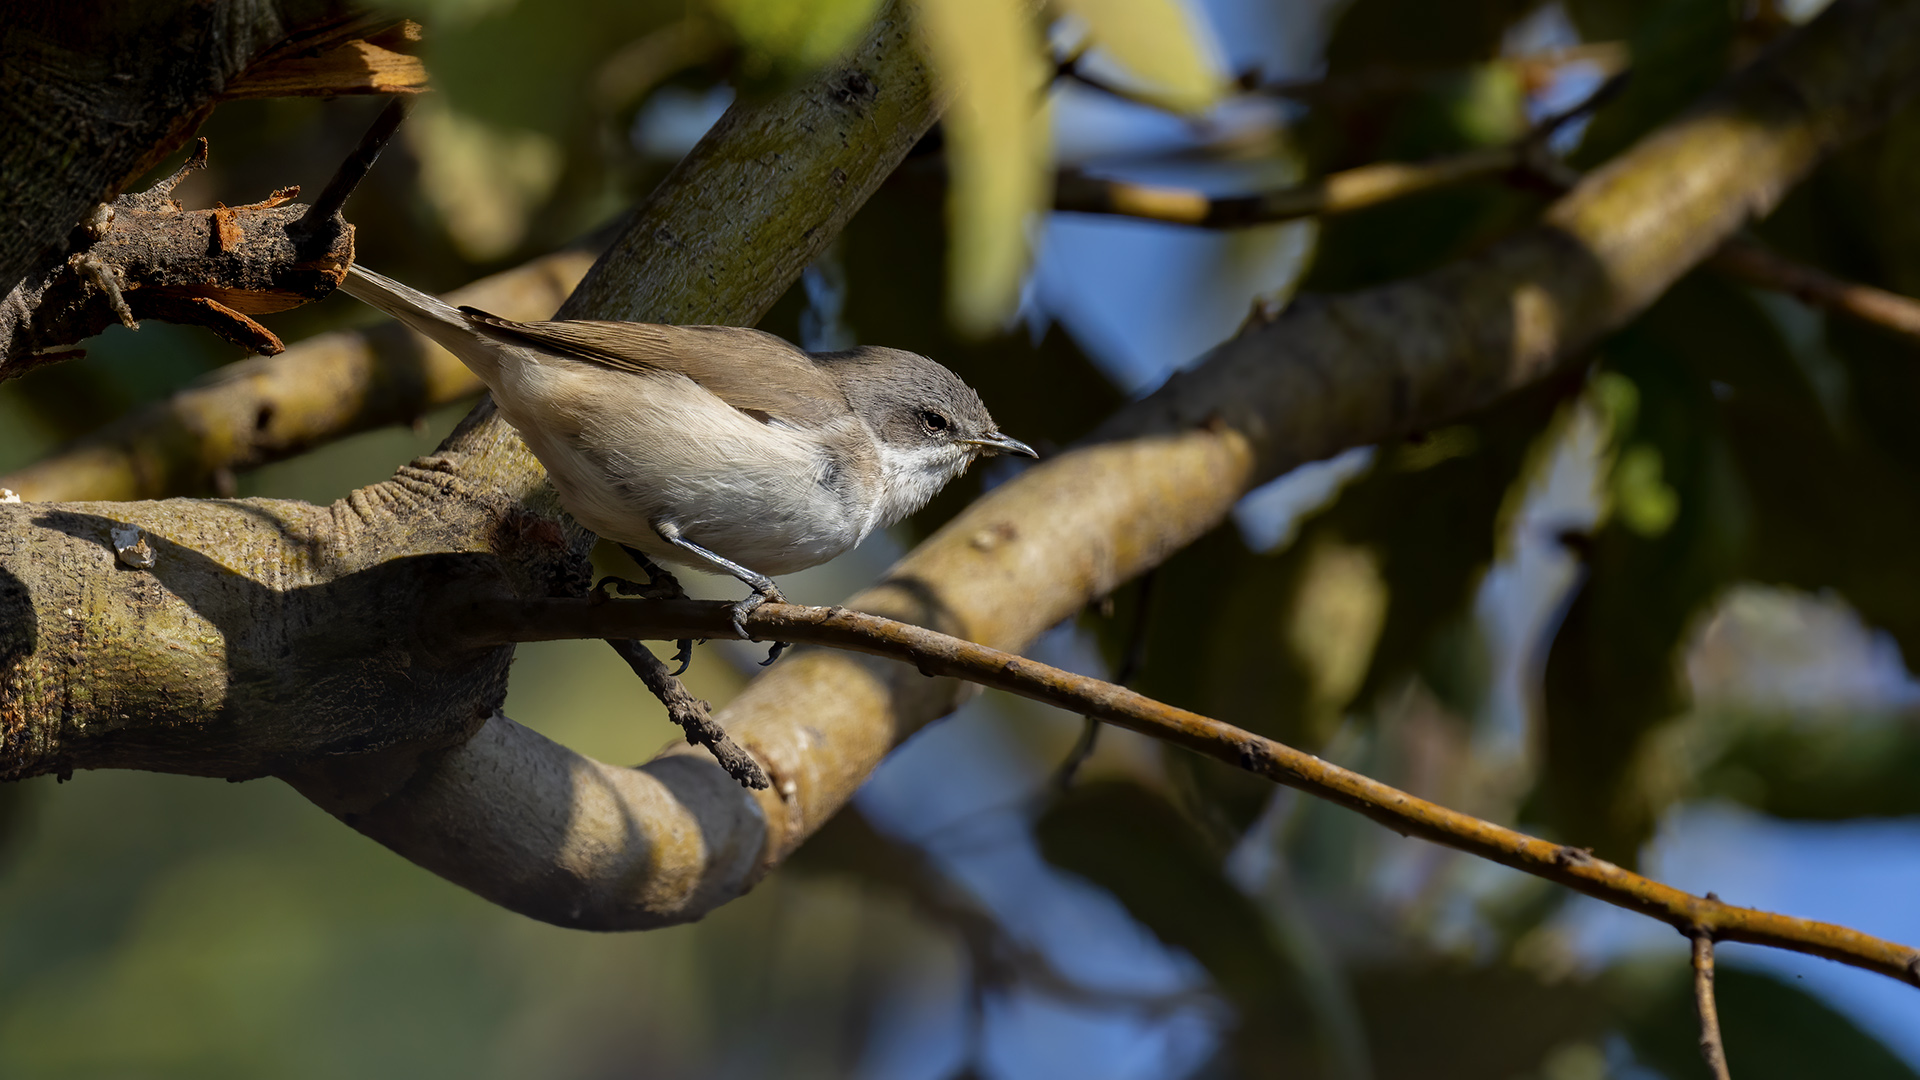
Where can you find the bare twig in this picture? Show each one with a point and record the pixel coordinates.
(323, 215)
(1336, 193)
(694, 715)
(1711, 1048)
(1534, 70)
(478, 623)
(1133, 655)
(1756, 265)
(1369, 185)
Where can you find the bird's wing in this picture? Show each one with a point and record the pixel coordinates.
(755, 372)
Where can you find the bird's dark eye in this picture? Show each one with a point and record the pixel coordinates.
(933, 422)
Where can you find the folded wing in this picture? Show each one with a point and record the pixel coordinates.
(755, 372)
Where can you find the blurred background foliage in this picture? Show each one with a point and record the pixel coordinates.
(1658, 607)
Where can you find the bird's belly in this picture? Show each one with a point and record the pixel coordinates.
(774, 515)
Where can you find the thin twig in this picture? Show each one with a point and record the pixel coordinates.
(319, 217)
(1369, 185)
(1711, 1048)
(1534, 69)
(1132, 656)
(492, 622)
(692, 714)
(1336, 193)
(1756, 265)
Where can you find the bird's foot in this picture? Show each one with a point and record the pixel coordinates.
(660, 585)
(763, 592)
(610, 586)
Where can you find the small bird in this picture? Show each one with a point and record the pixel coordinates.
(716, 447)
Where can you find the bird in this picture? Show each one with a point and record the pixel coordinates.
(719, 448)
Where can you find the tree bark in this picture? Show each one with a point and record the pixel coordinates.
(560, 837)
(93, 93)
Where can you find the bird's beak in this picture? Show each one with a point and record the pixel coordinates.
(996, 443)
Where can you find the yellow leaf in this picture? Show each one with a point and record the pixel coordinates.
(998, 162)
(1156, 42)
(1646, 503)
(485, 181)
(1335, 625)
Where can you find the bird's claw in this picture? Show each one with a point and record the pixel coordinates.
(750, 604)
(683, 652)
(612, 585)
(662, 586)
(652, 590)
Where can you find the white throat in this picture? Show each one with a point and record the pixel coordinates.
(911, 475)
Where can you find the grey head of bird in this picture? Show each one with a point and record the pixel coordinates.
(928, 425)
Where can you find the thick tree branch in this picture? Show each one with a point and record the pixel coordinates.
(560, 837)
(93, 96)
(145, 256)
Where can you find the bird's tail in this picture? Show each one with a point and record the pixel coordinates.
(429, 315)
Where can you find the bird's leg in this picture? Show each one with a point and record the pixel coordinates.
(763, 587)
(664, 585)
(660, 585)
(658, 578)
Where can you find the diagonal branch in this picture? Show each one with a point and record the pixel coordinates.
(479, 623)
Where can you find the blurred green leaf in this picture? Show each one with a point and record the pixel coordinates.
(1771, 1028)
(789, 38)
(1680, 50)
(1434, 511)
(1130, 842)
(1679, 537)
(484, 181)
(1360, 599)
(1820, 771)
(988, 53)
(1438, 1021)
(1644, 501)
(1156, 42)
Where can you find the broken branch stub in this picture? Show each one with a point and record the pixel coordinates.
(143, 255)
